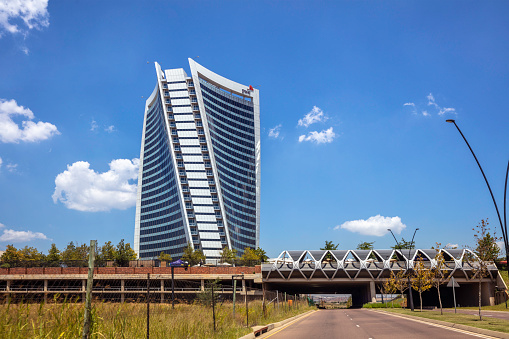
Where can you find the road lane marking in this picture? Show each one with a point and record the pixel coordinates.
(441, 326)
(290, 323)
(357, 325)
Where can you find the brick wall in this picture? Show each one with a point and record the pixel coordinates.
(132, 270)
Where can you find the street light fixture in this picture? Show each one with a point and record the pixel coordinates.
(410, 294)
(503, 226)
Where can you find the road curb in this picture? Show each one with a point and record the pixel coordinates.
(258, 330)
(477, 330)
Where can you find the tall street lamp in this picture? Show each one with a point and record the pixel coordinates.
(410, 295)
(503, 226)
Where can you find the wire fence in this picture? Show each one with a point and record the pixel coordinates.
(136, 305)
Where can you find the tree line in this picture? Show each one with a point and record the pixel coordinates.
(74, 254)
(250, 257)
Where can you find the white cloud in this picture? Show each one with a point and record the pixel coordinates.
(20, 236)
(11, 167)
(110, 129)
(444, 110)
(81, 188)
(323, 137)
(30, 131)
(431, 100)
(451, 246)
(21, 16)
(1, 165)
(434, 107)
(376, 225)
(316, 115)
(274, 132)
(93, 125)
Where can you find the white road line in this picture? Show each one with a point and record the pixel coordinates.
(357, 325)
(442, 326)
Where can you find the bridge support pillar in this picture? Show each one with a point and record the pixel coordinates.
(372, 291)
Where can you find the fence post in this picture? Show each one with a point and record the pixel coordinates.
(90, 281)
(263, 300)
(213, 307)
(234, 294)
(148, 305)
(277, 299)
(247, 311)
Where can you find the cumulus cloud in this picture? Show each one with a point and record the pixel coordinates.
(376, 225)
(451, 246)
(10, 131)
(409, 104)
(274, 132)
(21, 16)
(323, 137)
(315, 115)
(425, 113)
(83, 189)
(9, 235)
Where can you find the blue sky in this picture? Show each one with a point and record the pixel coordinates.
(74, 78)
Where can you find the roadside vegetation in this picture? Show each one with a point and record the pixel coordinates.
(487, 323)
(129, 320)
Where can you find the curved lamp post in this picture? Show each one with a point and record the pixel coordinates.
(503, 226)
(410, 294)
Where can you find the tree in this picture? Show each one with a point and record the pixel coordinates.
(75, 255)
(422, 278)
(228, 256)
(124, 253)
(53, 257)
(250, 257)
(400, 281)
(486, 250)
(193, 257)
(329, 245)
(389, 287)
(404, 245)
(440, 273)
(262, 255)
(365, 245)
(31, 256)
(11, 256)
(164, 257)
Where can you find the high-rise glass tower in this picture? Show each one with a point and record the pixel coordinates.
(199, 178)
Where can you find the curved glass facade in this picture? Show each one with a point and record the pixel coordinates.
(199, 179)
(160, 215)
(232, 133)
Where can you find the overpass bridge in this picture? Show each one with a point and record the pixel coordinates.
(362, 272)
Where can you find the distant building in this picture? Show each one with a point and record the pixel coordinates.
(199, 178)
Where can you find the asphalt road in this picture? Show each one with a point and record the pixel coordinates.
(365, 324)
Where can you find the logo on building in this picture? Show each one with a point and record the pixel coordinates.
(248, 91)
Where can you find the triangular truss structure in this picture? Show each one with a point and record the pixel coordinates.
(371, 264)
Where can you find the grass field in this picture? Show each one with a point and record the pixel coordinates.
(464, 319)
(129, 320)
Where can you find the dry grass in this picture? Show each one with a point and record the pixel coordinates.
(114, 320)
